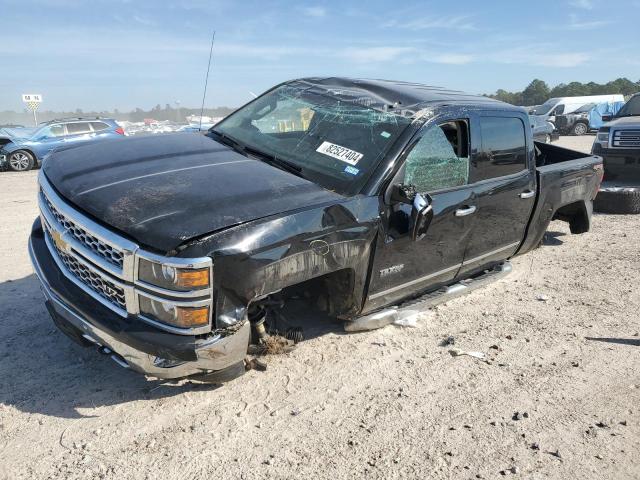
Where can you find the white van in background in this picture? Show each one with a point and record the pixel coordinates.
(562, 105)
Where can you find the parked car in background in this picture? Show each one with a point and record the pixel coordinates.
(618, 143)
(23, 150)
(562, 105)
(577, 122)
(543, 131)
(587, 118)
(196, 128)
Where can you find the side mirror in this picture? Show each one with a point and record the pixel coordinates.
(401, 193)
(421, 216)
(607, 118)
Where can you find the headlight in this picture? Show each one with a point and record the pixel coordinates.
(181, 279)
(174, 315)
(603, 137)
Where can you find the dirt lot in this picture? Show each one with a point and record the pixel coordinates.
(561, 330)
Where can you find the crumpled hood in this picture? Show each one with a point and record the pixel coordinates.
(164, 190)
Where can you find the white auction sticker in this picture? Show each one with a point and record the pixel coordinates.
(341, 153)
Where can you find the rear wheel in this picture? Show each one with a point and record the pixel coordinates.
(21, 161)
(618, 201)
(580, 129)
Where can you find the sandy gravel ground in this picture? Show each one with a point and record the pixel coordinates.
(561, 332)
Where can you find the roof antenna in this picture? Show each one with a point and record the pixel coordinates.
(206, 80)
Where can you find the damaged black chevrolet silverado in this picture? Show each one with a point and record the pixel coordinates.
(358, 195)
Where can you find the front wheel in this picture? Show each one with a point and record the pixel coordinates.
(21, 161)
(580, 129)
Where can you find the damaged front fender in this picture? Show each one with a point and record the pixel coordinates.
(256, 259)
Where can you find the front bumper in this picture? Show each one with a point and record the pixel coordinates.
(130, 342)
(621, 165)
(3, 161)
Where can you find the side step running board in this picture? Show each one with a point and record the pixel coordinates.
(396, 314)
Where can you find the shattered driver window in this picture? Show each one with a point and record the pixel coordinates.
(336, 138)
(433, 163)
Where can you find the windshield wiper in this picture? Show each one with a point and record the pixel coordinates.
(231, 142)
(265, 157)
(276, 162)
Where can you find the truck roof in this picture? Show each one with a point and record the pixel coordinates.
(406, 96)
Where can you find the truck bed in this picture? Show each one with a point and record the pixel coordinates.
(567, 183)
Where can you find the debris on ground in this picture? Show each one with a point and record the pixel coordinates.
(556, 454)
(392, 316)
(541, 297)
(519, 416)
(255, 364)
(450, 340)
(456, 352)
(272, 345)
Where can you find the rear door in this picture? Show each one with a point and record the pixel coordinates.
(504, 189)
(437, 163)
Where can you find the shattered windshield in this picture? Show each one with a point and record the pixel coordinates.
(631, 108)
(335, 141)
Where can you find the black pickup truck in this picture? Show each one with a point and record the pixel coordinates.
(165, 251)
(618, 142)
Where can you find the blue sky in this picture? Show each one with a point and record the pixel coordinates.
(104, 54)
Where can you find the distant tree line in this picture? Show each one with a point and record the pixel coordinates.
(538, 91)
(174, 114)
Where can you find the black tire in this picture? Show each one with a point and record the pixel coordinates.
(580, 129)
(618, 201)
(21, 161)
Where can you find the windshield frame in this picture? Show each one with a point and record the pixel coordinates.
(347, 187)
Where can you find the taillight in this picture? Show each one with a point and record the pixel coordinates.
(119, 130)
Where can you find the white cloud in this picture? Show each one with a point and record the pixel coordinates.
(584, 4)
(540, 58)
(314, 12)
(451, 58)
(459, 22)
(576, 24)
(374, 54)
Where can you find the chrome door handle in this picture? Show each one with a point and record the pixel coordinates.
(527, 194)
(463, 212)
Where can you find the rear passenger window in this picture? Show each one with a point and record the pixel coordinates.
(76, 128)
(57, 130)
(440, 159)
(97, 126)
(504, 149)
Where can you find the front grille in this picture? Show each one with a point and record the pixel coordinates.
(103, 264)
(626, 138)
(103, 287)
(100, 248)
(561, 122)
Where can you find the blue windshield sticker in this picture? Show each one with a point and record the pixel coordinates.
(351, 170)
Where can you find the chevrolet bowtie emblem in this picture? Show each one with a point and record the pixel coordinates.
(60, 243)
